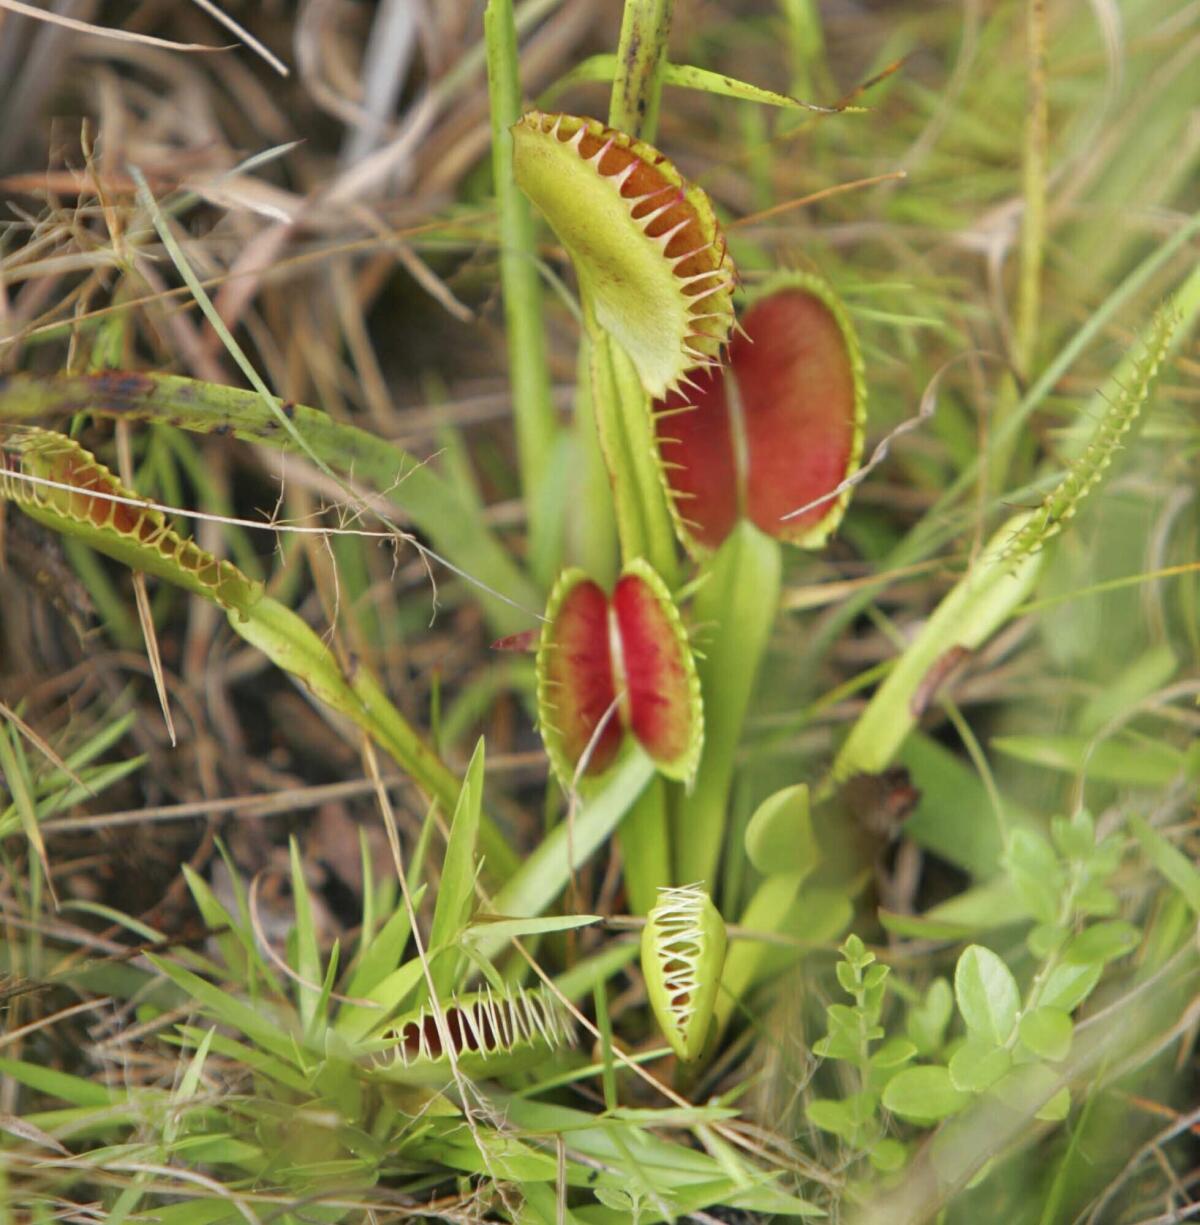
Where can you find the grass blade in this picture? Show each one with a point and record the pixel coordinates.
(457, 890)
(533, 408)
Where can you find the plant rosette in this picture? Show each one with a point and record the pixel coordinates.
(775, 430)
(612, 666)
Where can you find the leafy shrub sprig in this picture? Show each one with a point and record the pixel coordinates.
(1010, 1038)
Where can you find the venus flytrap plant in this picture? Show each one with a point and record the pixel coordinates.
(774, 432)
(338, 1074)
(55, 481)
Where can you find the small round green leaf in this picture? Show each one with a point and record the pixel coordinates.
(1103, 942)
(1069, 985)
(842, 1118)
(1036, 873)
(924, 1095)
(1075, 837)
(1096, 901)
(1047, 1032)
(1046, 938)
(927, 1020)
(987, 994)
(1057, 1108)
(888, 1156)
(977, 1065)
(893, 1053)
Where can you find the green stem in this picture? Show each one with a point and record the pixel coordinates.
(975, 608)
(1033, 227)
(1026, 318)
(533, 406)
(642, 49)
(625, 427)
(592, 533)
(734, 610)
(645, 847)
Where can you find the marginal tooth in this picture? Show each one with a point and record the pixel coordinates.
(520, 1032)
(684, 495)
(704, 293)
(467, 1020)
(679, 259)
(556, 1021)
(700, 276)
(494, 1012)
(512, 1032)
(648, 195)
(532, 1016)
(686, 380)
(540, 1019)
(741, 331)
(664, 413)
(498, 1020)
